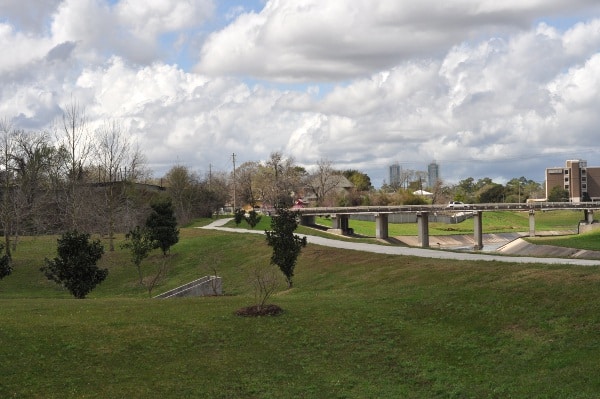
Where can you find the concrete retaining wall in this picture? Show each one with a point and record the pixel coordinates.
(205, 286)
(584, 227)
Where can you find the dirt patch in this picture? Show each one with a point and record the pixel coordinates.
(255, 311)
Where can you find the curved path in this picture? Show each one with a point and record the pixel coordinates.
(409, 251)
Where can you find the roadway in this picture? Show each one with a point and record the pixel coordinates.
(410, 251)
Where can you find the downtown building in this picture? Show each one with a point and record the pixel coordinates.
(395, 171)
(433, 174)
(582, 182)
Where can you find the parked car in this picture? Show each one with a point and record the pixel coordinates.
(456, 205)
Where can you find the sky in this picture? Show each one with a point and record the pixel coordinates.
(485, 88)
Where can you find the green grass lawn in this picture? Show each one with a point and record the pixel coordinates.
(355, 325)
(590, 241)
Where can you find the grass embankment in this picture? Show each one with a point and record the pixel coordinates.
(356, 325)
(589, 241)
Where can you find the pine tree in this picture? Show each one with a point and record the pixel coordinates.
(286, 245)
(162, 225)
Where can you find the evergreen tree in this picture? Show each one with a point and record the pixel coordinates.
(253, 218)
(238, 216)
(162, 225)
(5, 264)
(286, 245)
(75, 266)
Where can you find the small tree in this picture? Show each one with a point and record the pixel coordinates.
(238, 216)
(286, 245)
(75, 266)
(140, 244)
(5, 264)
(162, 225)
(161, 272)
(265, 282)
(253, 218)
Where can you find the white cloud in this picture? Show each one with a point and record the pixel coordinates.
(28, 15)
(303, 40)
(131, 29)
(475, 86)
(150, 18)
(19, 48)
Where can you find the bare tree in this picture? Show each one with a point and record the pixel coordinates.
(437, 192)
(266, 280)
(113, 153)
(323, 181)
(183, 187)
(58, 197)
(136, 169)
(34, 158)
(7, 139)
(74, 136)
(245, 176)
(277, 180)
(112, 150)
(215, 193)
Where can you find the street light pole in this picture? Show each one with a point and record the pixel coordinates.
(234, 182)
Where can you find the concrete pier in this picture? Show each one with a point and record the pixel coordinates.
(532, 223)
(381, 225)
(423, 225)
(478, 229)
(340, 222)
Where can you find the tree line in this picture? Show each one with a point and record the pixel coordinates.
(71, 177)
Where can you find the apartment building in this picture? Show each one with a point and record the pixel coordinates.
(581, 181)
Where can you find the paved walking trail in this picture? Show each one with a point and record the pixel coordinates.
(410, 251)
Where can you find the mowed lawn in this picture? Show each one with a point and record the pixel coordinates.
(355, 325)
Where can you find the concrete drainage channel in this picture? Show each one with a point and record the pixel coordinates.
(205, 286)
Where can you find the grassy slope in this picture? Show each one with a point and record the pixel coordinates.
(356, 325)
(590, 241)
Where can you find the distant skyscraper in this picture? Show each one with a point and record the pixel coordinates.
(395, 173)
(433, 174)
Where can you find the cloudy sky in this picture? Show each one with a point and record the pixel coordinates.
(486, 88)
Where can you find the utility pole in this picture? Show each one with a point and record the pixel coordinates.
(233, 157)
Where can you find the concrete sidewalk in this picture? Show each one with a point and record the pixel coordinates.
(409, 251)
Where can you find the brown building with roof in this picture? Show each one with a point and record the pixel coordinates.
(582, 182)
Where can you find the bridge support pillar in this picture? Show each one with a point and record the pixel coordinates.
(381, 225)
(307, 220)
(478, 229)
(589, 216)
(423, 225)
(341, 223)
(532, 223)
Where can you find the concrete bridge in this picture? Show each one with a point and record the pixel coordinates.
(341, 215)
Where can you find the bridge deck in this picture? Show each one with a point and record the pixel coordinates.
(534, 206)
